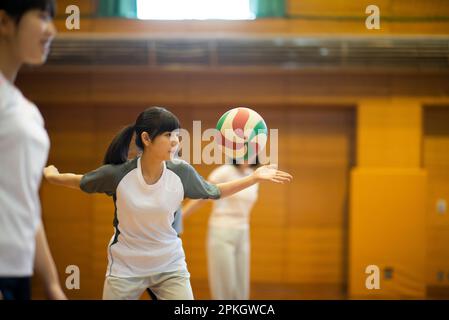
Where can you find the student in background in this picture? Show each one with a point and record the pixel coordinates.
(228, 240)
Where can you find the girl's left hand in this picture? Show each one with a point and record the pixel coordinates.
(50, 171)
(270, 173)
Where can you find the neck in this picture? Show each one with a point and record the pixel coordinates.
(9, 63)
(151, 168)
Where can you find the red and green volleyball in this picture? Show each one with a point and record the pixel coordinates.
(242, 133)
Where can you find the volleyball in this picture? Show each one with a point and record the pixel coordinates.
(242, 134)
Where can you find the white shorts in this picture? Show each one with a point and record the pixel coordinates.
(165, 285)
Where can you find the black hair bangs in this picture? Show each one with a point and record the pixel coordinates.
(168, 122)
(17, 8)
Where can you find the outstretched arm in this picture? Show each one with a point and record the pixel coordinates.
(70, 180)
(264, 173)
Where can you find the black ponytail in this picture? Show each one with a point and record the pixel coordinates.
(154, 121)
(117, 152)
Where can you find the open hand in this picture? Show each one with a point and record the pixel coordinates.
(271, 173)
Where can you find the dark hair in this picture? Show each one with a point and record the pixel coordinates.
(17, 8)
(155, 121)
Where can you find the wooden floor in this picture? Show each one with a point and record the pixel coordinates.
(263, 291)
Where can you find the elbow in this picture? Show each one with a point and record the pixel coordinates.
(82, 185)
(219, 194)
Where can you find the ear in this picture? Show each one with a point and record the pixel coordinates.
(145, 137)
(6, 23)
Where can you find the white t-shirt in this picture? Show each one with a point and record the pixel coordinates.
(145, 241)
(24, 146)
(232, 211)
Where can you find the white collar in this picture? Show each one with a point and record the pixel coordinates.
(142, 181)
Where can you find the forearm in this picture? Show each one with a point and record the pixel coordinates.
(192, 206)
(44, 264)
(229, 188)
(69, 180)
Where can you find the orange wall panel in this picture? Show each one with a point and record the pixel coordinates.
(436, 161)
(388, 8)
(389, 133)
(387, 229)
(87, 7)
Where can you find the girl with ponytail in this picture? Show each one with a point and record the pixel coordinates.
(145, 251)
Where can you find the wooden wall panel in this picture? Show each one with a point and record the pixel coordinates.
(387, 230)
(388, 199)
(419, 8)
(436, 161)
(437, 271)
(73, 142)
(388, 8)
(316, 255)
(267, 252)
(389, 133)
(321, 154)
(87, 7)
(141, 89)
(334, 8)
(67, 213)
